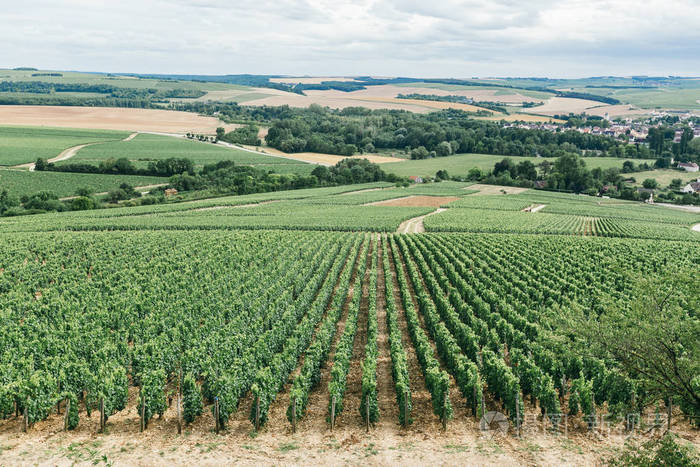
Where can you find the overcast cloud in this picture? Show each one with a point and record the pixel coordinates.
(439, 38)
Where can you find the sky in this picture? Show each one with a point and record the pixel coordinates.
(416, 38)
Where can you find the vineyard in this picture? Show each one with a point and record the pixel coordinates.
(291, 314)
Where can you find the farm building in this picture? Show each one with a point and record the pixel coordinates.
(416, 179)
(693, 187)
(688, 166)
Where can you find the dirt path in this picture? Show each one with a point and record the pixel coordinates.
(682, 207)
(696, 227)
(535, 208)
(415, 225)
(68, 153)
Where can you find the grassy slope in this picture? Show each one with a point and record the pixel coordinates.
(146, 147)
(461, 163)
(19, 145)
(665, 176)
(22, 182)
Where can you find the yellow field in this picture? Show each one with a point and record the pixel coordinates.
(110, 118)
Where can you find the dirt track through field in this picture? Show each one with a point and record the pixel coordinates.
(535, 208)
(696, 227)
(68, 153)
(415, 225)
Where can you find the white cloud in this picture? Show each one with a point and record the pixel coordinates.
(447, 38)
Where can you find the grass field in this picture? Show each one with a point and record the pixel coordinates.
(148, 147)
(23, 182)
(460, 164)
(19, 145)
(664, 176)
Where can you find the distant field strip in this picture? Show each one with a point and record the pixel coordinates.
(19, 145)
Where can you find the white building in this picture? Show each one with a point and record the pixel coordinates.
(688, 166)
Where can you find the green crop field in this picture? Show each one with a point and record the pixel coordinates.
(147, 147)
(63, 184)
(460, 164)
(19, 145)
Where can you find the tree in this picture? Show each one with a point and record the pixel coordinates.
(475, 173)
(527, 170)
(656, 337)
(572, 173)
(686, 137)
(220, 132)
(443, 149)
(650, 183)
(442, 175)
(7, 201)
(662, 163)
(505, 165)
(419, 153)
(627, 167)
(84, 191)
(675, 184)
(40, 164)
(83, 203)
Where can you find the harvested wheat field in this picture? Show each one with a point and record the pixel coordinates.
(310, 80)
(109, 118)
(417, 201)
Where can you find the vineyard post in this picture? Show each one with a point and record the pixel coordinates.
(216, 415)
(333, 413)
(58, 403)
(65, 417)
(669, 409)
(16, 408)
(257, 412)
(294, 414)
(25, 420)
(102, 415)
(474, 403)
(444, 411)
(517, 414)
(367, 412)
(405, 408)
(143, 412)
(179, 397)
(483, 406)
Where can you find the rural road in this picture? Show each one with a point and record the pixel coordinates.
(415, 225)
(682, 207)
(68, 153)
